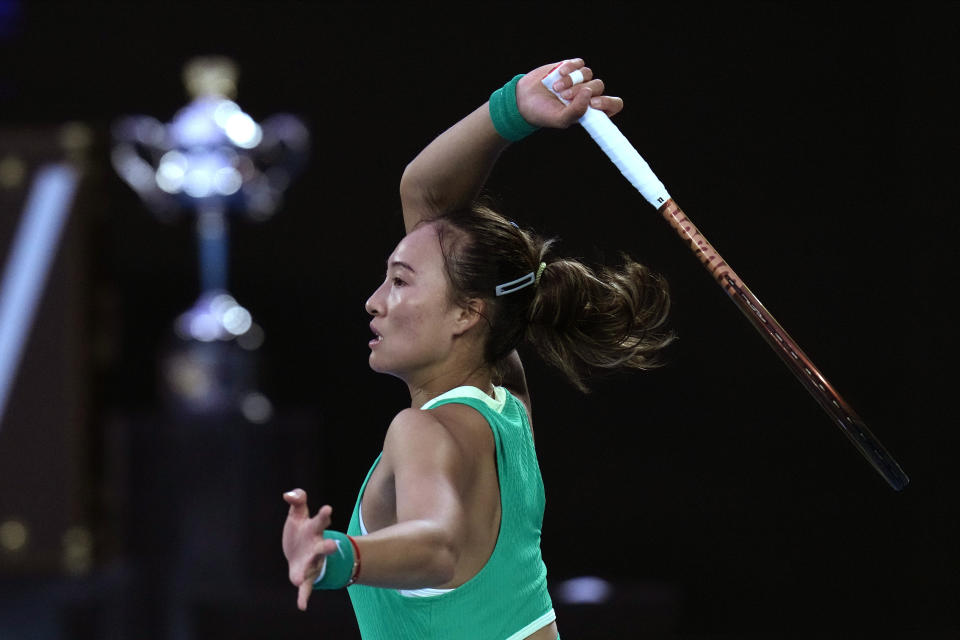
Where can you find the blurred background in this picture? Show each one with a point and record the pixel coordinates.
(198, 343)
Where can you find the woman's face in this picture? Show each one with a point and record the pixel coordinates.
(414, 322)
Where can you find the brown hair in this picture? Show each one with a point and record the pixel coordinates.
(580, 320)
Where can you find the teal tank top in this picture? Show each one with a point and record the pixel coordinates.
(508, 598)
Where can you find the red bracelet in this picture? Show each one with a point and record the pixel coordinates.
(356, 562)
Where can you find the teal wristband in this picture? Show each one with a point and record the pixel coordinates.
(506, 115)
(341, 566)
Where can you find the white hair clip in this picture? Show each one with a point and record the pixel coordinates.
(516, 285)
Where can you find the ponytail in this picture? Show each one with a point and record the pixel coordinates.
(580, 320)
(585, 322)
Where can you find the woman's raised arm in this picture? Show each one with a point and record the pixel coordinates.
(450, 171)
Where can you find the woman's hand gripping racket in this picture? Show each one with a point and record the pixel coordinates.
(638, 172)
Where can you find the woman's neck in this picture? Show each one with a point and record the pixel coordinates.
(423, 391)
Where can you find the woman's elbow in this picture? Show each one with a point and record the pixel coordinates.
(411, 186)
(420, 198)
(444, 563)
(444, 553)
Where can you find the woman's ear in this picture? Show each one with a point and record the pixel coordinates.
(469, 314)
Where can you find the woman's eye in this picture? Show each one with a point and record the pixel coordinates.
(397, 282)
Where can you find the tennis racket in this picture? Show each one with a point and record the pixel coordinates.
(638, 172)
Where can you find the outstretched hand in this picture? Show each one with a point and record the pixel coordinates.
(303, 543)
(541, 108)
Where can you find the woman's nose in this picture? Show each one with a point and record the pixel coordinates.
(372, 304)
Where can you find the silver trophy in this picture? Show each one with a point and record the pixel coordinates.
(214, 162)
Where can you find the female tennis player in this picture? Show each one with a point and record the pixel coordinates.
(444, 540)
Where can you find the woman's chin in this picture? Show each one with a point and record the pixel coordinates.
(377, 365)
(380, 367)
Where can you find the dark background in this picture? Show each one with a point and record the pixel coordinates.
(814, 145)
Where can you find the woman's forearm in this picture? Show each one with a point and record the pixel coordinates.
(451, 170)
(408, 555)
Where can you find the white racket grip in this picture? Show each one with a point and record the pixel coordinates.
(613, 143)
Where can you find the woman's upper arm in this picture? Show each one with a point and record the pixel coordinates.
(417, 205)
(514, 379)
(430, 471)
(450, 171)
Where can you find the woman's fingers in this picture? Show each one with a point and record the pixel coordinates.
(328, 547)
(295, 496)
(590, 94)
(576, 85)
(577, 106)
(573, 78)
(569, 66)
(595, 86)
(580, 89)
(307, 563)
(610, 105)
(303, 594)
(297, 499)
(322, 520)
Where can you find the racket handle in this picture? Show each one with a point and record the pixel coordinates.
(613, 143)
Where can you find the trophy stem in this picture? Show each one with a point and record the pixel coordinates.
(212, 237)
